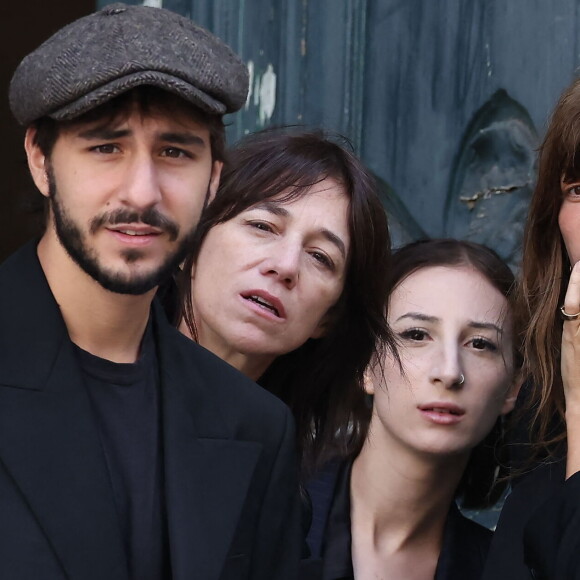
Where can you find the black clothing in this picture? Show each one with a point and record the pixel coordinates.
(228, 465)
(465, 543)
(538, 533)
(124, 398)
(336, 553)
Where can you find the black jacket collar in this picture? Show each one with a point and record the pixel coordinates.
(50, 446)
(465, 543)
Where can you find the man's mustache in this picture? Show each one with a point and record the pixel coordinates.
(150, 217)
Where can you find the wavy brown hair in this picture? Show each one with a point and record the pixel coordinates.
(321, 381)
(545, 276)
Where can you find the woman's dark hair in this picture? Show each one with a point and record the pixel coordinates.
(321, 381)
(487, 464)
(545, 276)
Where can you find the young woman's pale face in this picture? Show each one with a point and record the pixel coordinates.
(265, 280)
(569, 220)
(450, 322)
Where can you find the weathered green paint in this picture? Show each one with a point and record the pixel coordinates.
(405, 80)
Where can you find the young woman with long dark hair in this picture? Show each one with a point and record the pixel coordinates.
(433, 433)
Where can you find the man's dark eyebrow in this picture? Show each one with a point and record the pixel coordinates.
(104, 134)
(418, 316)
(109, 134)
(183, 138)
(279, 210)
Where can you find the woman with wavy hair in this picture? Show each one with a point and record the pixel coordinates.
(539, 529)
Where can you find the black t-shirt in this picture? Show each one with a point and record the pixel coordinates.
(125, 402)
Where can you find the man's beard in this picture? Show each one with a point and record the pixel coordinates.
(73, 241)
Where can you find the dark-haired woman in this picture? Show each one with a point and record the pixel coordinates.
(288, 277)
(539, 529)
(433, 427)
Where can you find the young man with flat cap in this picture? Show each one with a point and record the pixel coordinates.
(127, 451)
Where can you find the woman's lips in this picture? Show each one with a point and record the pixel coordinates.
(266, 302)
(442, 413)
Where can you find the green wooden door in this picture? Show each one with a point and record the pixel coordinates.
(443, 100)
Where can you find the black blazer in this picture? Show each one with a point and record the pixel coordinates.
(538, 533)
(229, 465)
(465, 543)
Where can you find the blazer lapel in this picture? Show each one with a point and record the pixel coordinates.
(207, 472)
(48, 441)
(464, 548)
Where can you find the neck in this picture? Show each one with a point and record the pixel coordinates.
(401, 498)
(251, 365)
(104, 323)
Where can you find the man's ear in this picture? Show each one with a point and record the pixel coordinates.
(214, 182)
(36, 162)
(512, 394)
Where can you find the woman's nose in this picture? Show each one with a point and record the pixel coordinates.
(447, 368)
(284, 263)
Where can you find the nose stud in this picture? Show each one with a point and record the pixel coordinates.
(461, 379)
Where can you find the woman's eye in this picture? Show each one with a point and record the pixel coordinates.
(415, 334)
(323, 259)
(483, 344)
(263, 226)
(572, 190)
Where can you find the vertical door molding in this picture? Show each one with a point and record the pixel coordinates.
(355, 61)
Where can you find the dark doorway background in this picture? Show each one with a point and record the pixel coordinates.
(23, 26)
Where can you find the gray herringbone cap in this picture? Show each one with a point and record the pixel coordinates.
(100, 56)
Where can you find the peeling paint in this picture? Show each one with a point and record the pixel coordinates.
(250, 83)
(471, 200)
(265, 97)
(153, 3)
(256, 91)
(488, 60)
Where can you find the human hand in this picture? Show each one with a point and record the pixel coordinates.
(570, 356)
(570, 368)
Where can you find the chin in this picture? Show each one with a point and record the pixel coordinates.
(443, 450)
(257, 350)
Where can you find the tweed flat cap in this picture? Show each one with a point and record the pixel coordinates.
(100, 56)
